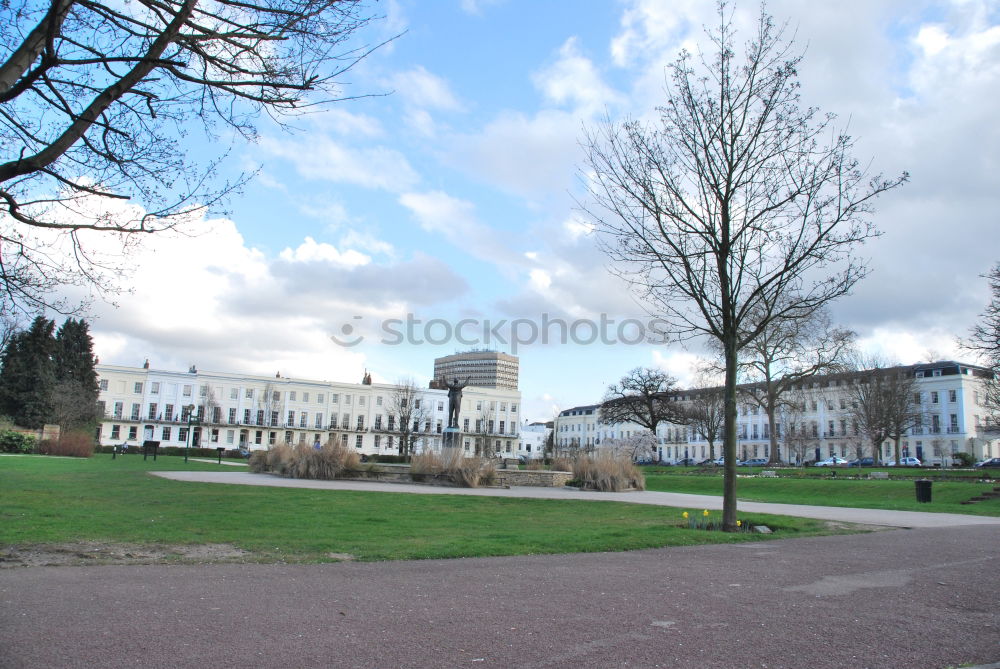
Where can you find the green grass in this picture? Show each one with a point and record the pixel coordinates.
(52, 500)
(839, 491)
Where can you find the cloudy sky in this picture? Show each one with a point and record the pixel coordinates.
(454, 196)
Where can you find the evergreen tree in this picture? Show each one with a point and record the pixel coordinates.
(28, 377)
(74, 397)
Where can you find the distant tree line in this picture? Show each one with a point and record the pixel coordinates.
(48, 375)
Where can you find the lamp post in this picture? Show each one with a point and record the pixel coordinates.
(190, 435)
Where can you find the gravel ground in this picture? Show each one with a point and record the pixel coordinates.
(901, 598)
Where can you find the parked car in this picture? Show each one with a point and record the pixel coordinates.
(244, 453)
(831, 462)
(992, 462)
(686, 462)
(720, 461)
(862, 462)
(708, 462)
(904, 462)
(753, 462)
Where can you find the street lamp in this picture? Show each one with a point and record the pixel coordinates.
(190, 435)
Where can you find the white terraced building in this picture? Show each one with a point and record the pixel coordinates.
(253, 412)
(951, 396)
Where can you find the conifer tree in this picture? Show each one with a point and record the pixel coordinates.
(28, 375)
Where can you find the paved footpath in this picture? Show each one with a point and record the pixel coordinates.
(681, 500)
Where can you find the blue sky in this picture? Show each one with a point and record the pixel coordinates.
(454, 195)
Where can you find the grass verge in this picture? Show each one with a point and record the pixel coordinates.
(865, 494)
(51, 500)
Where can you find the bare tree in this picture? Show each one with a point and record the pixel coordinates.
(631, 447)
(984, 339)
(98, 96)
(644, 396)
(884, 402)
(408, 406)
(739, 209)
(704, 413)
(785, 354)
(797, 435)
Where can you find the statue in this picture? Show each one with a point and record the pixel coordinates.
(454, 400)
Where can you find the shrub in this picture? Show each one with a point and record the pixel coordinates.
(562, 464)
(463, 471)
(71, 444)
(965, 458)
(607, 472)
(15, 442)
(305, 462)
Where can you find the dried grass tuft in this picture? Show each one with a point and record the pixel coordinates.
(305, 462)
(607, 472)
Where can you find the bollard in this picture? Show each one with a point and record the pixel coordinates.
(923, 490)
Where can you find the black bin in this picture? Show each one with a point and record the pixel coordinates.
(923, 487)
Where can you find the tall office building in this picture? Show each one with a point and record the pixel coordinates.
(484, 369)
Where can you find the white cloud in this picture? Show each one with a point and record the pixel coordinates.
(423, 89)
(476, 7)
(574, 80)
(324, 159)
(311, 251)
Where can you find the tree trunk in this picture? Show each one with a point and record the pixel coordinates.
(774, 457)
(729, 438)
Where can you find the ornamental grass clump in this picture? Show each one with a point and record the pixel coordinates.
(467, 472)
(71, 444)
(607, 472)
(562, 464)
(331, 461)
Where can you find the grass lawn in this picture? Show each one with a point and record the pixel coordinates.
(51, 500)
(867, 494)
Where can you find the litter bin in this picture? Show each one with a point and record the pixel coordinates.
(923, 490)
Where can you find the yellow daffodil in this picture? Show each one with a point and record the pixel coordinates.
(705, 512)
(684, 515)
(739, 523)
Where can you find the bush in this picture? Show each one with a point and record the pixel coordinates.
(965, 458)
(562, 464)
(466, 472)
(15, 442)
(71, 444)
(607, 472)
(305, 462)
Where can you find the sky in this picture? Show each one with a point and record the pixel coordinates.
(454, 192)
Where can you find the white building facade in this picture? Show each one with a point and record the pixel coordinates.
(950, 395)
(234, 411)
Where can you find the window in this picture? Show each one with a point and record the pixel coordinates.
(357, 441)
(334, 398)
(333, 421)
(502, 426)
(258, 437)
(260, 417)
(361, 422)
(347, 421)
(187, 391)
(116, 431)
(437, 427)
(291, 418)
(135, 410)
(392, 422)
(276, 396)
(133, 432)
(479, 406)
(304, 419)
(378, 422)
(416, 404)
(305, 397)
(319, 420)
(168, 413)
(378, 400)
(138, 388)
(288, 437)
(214, 438)
(361, 400)
(378, 439)
(152, 411)
(234, 393)
(230, 435)
(216, 414)
(165, 434)
(347, 399)
(203, 391)
(916, 398)
(934, 397)
(291, 395)
(246, 416)
(465, 424)
(249, 393)
(513, 407)
(232, 415)
(272, 437)
(154, 388)
(274, 418)
(104, 384)
(319, 398)
(952, 396)
(503, 406)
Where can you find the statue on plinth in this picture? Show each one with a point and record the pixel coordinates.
(454, 399)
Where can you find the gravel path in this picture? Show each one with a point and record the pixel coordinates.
(910, 599)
